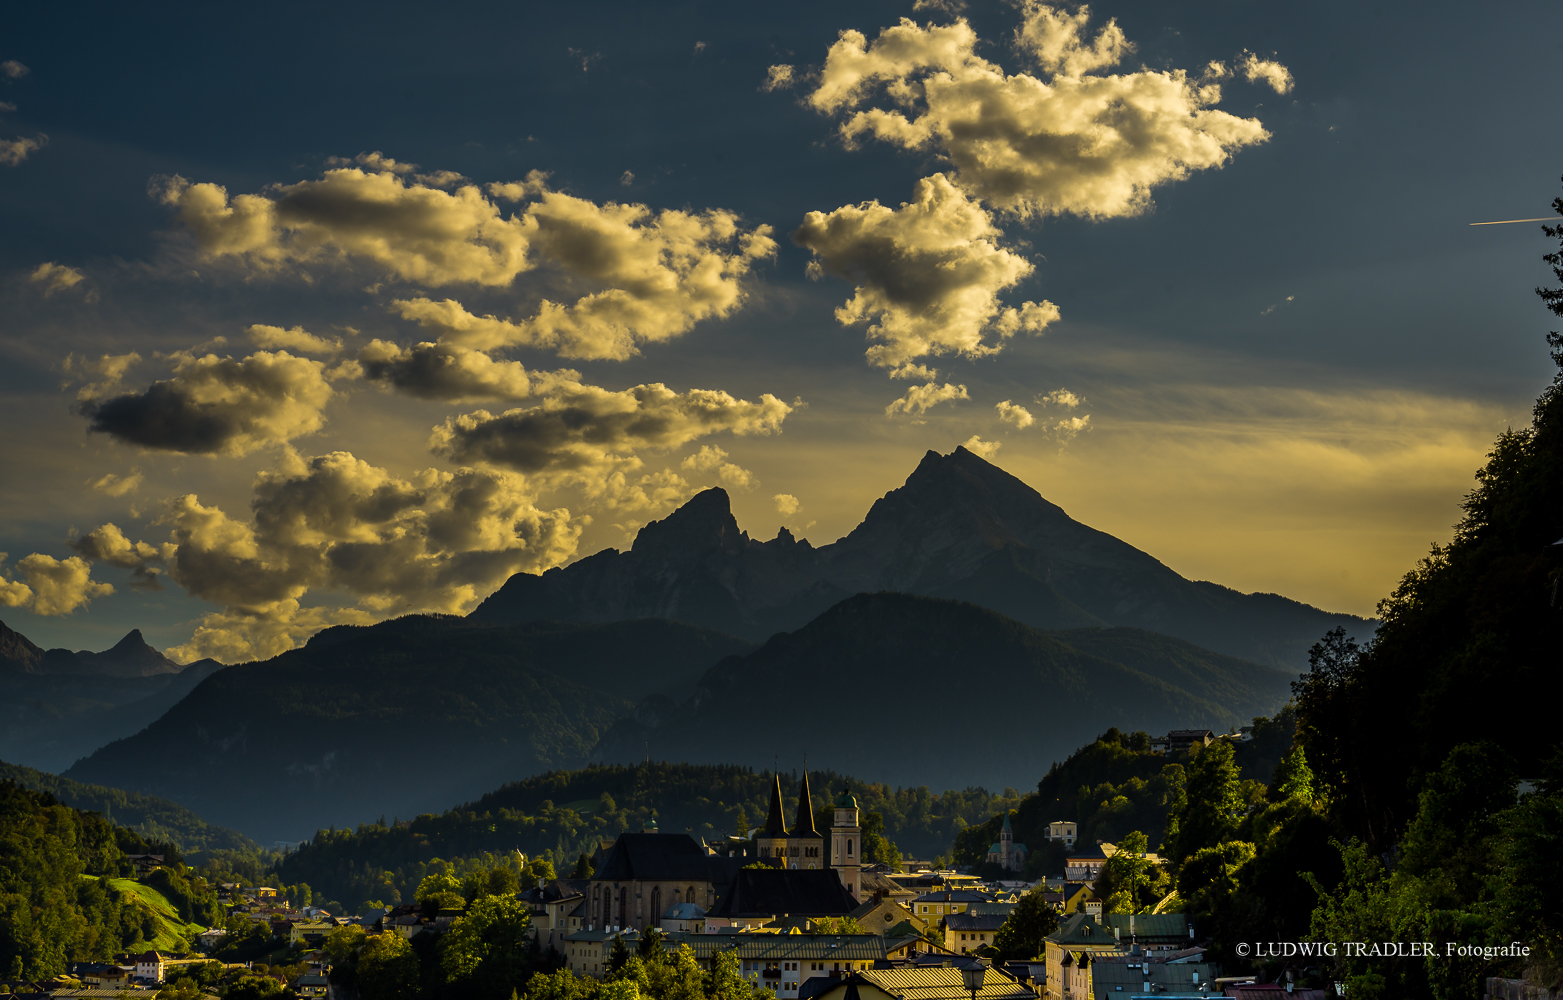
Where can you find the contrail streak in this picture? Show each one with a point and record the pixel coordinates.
(1505, 222)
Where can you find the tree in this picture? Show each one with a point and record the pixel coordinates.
(1528, 902)
(651, 950)
(253, 988)
(583, 868)
(184, 988)
(1211, 804)
(836, 925)
(687, 981)
(485, 950)
(440, 891)
(618, 954)
(1293, 778)
(877, 848)
(728, 982)
(1021, 936)
(1130, 882)
(538, 871)
(619, 989)
(1213, 870)
(387, 969)
(560, 985)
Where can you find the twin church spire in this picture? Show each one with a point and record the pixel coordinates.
(775, 824)
(805, 846)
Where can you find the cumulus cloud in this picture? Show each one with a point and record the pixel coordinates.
(274, 338)
(115, 485)
(786, 504)
(412, 230)
(661, 272)
(1013, 413)
(1060, 397)
(51, 277)
(1072, 140)
(107, 543)
(53, 587)
(712, 461)
(14, 69)
(589, 436)
(919, 398)
(1069, 428)
(376, 162)
(220, 406)
(907, 370)
(777, 78)
(1269, 71)
(103, 376)
(437, 541)
(451, 373)
(928, 274)
(656, 274)
(982, 449)
(14, 151)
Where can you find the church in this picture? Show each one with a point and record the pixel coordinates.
(1006, 853)
(804, 846)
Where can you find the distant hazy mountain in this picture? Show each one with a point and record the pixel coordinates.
(960, 527)
(130, 657)
(154, 818)
(401, 718)
(57, 706)
(919, 691)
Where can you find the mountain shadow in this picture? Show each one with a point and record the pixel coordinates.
(399, 718)
(57, 706)
(960, 527)
(918, 691)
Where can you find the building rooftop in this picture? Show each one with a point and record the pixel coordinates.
(942, 983)
(803, 892)
(655, 857)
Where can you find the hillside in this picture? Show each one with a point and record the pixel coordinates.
(153, 818)
(400, 718)
(959, 528)
(64, 896)
(563, 814)
(57, 706)
(915, 690)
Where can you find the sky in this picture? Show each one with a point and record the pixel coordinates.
(328, 313)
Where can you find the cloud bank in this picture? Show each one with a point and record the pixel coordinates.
(218, 406)
(928, 274)
(1073, 139)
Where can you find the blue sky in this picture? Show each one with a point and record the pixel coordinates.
(1292, 358)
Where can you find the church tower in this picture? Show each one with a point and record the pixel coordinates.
(846, 844)
(806, 844)
(771, 841)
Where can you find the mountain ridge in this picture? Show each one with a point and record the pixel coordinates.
(959, 527)
(1013, 699)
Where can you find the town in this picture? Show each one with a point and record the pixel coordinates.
(794, 911)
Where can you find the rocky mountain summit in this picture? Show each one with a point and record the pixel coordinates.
(130, 657)
(960, 528)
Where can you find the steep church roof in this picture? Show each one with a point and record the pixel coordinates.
(774, 825)
(805, 825)
(656, 857)
(797, 892)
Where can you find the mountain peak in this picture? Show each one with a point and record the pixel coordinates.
(17, 652)
(131, 643)
(705, 522)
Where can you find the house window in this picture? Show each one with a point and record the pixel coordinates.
(849, 847)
